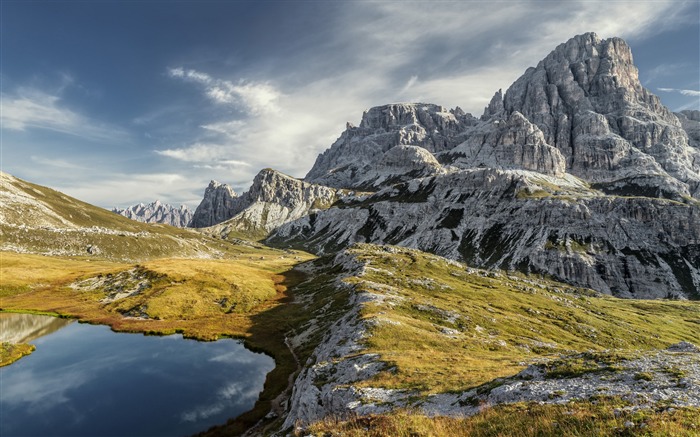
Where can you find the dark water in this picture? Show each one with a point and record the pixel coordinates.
(85, 380)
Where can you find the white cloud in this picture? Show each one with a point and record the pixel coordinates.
(254, 98)
(122, 190)
(198, 152)
(33, 109)
(54, 162)
(412, 81)
(691, 93)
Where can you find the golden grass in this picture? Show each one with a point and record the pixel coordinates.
(184, 295)
(11, 352)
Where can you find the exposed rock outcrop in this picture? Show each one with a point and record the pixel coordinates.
(157, 212)
(690, 120)
(220, 203)
(429, 126)
(517, 220)
(513, 143)
(272, 200)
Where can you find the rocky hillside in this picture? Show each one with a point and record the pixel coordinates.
(157, 212)
(576, 171)
(413, 315)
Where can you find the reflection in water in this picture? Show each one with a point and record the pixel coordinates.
(23, 328)
(86, 380)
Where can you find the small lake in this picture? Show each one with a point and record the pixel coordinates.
(85, 380)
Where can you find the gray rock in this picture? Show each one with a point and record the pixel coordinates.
(510, 143)
(587, 100)
(220, 203)
(157, 212)
(429, 126)
(272, 200)
(683, 346)
(690, 120)
(519, 220)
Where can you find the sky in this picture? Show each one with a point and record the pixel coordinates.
(121, 102)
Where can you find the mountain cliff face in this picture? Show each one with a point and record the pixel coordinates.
(576, 171)
(157, 212)
(220, 203)
(587, 100)
(519, 220)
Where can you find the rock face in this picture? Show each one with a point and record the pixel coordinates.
(220, 203)
(157, 212)
(690, 120)
(274, 199)
(587, 100)
(527, 221)
(354, 154)
(511, 143)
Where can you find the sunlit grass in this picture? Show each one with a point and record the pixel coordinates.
(443, 328)
(11, 352)
(605, 417)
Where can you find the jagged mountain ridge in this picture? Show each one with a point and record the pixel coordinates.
(354, 154)
(220, 202)
(576, 171)
(157, 212)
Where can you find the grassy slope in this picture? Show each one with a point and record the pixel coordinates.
(499, 322)
(48, 221)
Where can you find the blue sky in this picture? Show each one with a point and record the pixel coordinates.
(120, 102)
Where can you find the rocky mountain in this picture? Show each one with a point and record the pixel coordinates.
(220, 203)
(587, 100)
(576, 171)
(157, 212)
(690, 120)
(272, 200)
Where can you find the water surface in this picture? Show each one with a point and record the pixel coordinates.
(85, 380)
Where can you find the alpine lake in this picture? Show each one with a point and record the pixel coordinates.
(86, 380)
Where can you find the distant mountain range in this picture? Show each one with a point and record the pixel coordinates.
(157, 212)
